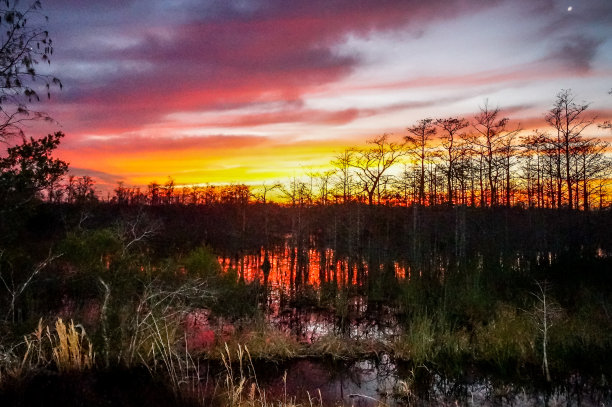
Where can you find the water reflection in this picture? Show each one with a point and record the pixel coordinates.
(312, 293)
(376, 382)
(294, 267)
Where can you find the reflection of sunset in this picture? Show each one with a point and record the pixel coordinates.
(289, 272)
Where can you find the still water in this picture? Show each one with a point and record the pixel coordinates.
(381, 382)
(288, 272)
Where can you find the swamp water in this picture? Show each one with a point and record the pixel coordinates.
(296, 283)
(381, 382)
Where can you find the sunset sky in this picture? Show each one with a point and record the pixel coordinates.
(251, 90)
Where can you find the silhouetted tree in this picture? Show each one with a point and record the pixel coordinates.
(567, 118)
(490, 130)
(84, 191)
(507, 153)
(373, 162)
(452, 149)
(23, 43)
(591, 165)
(28, 169)
(343, 175)
(417, 144)
(534, 146)
(263, 191)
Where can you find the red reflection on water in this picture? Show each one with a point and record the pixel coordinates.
(291, 267)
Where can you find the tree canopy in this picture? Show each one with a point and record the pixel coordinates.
(29, 168)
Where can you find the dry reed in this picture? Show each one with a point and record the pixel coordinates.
(72, 350)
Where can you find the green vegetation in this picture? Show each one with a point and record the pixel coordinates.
(145, 299)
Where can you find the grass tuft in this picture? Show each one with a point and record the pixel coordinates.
(72, 349)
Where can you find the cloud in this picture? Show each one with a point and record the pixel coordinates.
(129, 144)
(152, 76)
(126, 71)
(576, 52)
(100, 177)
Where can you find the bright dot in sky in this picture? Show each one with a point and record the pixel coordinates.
(570, 8)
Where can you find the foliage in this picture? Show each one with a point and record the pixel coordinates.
(24, 42)
(92, 250)
(28, 169)
(203, 263)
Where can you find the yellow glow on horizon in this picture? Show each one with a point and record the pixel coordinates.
(189, 166)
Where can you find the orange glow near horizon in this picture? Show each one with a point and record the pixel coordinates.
(139, 160)
(189, 166)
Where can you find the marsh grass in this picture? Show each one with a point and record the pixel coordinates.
(242, 388)
(264, 342)
(508, 340)
(336, 346)
(421, 341)
(156, 338)
(71, 350)
(66, 347)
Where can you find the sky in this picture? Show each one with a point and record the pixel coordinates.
(222, 91)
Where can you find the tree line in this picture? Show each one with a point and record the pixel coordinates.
(450, 161)
(479, 162)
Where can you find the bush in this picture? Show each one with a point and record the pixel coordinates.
(202, 262)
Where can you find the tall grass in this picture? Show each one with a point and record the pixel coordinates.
(242, 388)
(423, 339)
(72, 349)
(508, 340)
(156, 338)
(263, 340)
(67, 347)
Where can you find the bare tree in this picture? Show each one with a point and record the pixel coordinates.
(417, 146)
(532, 152)
(592, 164)
(546, 312)
(323, 184)
(373, 162)
(264, 190)
(137, 230)
(490, 129)
(296, 191)
(15, 289)
(507, 152)
(453, 151)
(567, 118)
(344, 177)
